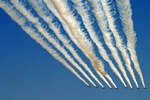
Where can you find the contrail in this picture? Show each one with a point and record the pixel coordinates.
(125, 11)
(43, 11)
(11, 11)
(111, 21)
(20, 7)
(84, 43)
(83, 9)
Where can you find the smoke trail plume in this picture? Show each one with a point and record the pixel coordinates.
(59, 25)
(102, 21)
(111, 21)
(38, 25)
(125, 11)
(10, 10)
(84, 12)
(51, 6)
(43, 11)
(85, 44)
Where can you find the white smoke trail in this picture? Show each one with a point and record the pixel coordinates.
(89, 52)
(66, 27)
(51, 6)
(111, 21)
(33, 34)
(125, 11)
(102, 21)
(35, 21)
(88, 23)
(41, 10)
(84, 44)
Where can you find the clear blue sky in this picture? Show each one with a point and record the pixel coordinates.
(28, 72)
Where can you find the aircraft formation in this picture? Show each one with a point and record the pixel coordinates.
(102, 30)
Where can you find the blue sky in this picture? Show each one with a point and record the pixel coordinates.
(28, 72)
